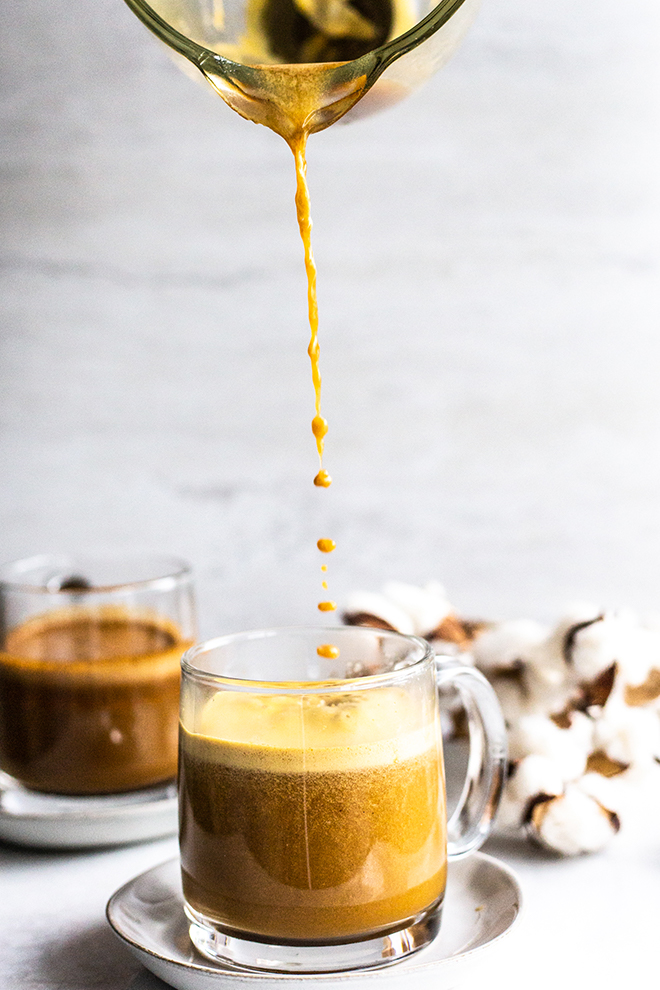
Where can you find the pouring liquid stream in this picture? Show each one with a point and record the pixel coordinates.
(319, 424)
(295, 100)
(300, 95)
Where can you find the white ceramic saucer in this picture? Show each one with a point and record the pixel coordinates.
(482, 903)
(52, 822)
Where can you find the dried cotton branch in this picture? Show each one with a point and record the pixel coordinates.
(581, 701)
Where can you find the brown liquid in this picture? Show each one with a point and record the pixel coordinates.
(89, 701)
(315, 843)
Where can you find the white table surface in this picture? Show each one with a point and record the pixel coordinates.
(587, 922)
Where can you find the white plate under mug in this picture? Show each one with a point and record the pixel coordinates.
(53, 821)
(482, 903)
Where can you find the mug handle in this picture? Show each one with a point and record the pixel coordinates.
(473, 817)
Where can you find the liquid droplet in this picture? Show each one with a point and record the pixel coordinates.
(323, 479)
(328, 651)
(319, 427)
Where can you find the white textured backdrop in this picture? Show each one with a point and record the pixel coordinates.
(488, 281)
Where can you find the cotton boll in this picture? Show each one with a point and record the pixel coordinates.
(639, 654)
(580, 731)
(616, 638)
(538, 734)
(534, 775)
(507, 644)
(426, 607)
(573, 823)
(547, 686)
(640, 788)
(593, 648)
(613, 793)
(546, 664)
(627, 735)
(578, 614)
(368, 603)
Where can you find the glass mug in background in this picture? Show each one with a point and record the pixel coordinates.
(313, 825)
(90, 670)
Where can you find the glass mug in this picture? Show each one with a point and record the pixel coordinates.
(313, 826)
(332, 67)
(90, 656)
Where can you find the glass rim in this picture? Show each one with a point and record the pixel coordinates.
(304, 687)
(173, 569)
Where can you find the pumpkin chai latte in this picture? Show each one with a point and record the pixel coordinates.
(89, 700)
(330, 827)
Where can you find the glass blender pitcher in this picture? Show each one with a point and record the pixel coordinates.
(297, 66)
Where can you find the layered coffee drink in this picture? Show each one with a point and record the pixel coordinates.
(312, 818)
(89, 700)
